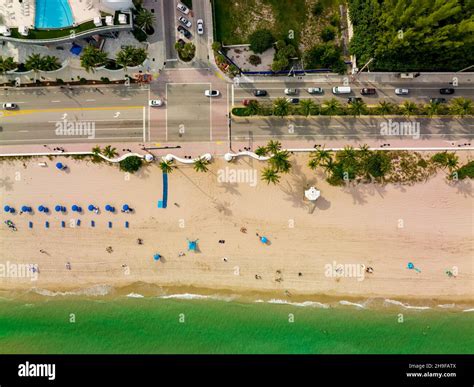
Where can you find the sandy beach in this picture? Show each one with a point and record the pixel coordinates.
(383, 227)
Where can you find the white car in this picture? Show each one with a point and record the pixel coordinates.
(182, 8)
(155, 102)
(10, 106)
(200, 26)
(212, 93)
(185, 21)
(401, 91)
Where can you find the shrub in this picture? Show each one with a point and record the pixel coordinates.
(139, 34)
(328, 33)
(59, 81)
(131, 164)
(255, 60)
(105, 79)
(261, 40)
(466, 171)
(318, 9)
(83, 81)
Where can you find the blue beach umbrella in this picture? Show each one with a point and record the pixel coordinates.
(63, 209)
(6, 208)
(157, 257)
(24, 208)
(108, 207)
(125, 207)
(192, 245)
(58, 208)
(41, 208)
(12, 210)
(59, 165)
(75, 208)
(264, 240)
(45, 210)
(91, 207)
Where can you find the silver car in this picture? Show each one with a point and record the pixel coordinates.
(200, 26)
(185, 21)
(401, 91)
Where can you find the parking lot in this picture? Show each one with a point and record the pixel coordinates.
(188, 112)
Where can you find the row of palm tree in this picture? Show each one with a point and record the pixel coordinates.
(7, 64)
(278, 161)
(281, 107)
(36, 62)
(131, 56)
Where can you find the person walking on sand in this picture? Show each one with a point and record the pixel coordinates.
(42, 252)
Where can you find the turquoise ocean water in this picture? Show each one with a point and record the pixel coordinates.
(120, 324)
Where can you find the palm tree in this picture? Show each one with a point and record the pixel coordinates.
(385, 107)
(270, 176)
(306, 106)
(318, 157)
(461, 106)
(200, 165)
(261, 151)
(279, 161)
(167, 166)
(7, 64)
(34, 62)
(329, 165)
(409, 108)
(273, 146)
(281, 107)
(109, 152)
(357, 107)
(145, 19)
(452, 161)
(96, 150)
(364, 151)
(253, 107)
(332, 107)
(50, 63)
(131, 56)
(432, 108)
(92, 57)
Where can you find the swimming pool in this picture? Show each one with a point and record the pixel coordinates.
(53, 14)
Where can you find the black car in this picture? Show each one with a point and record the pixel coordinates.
(293, 100)
(438, 100)
(367, 91)
(353, 99)
(259, 93)
(447, 90)
(184, 31)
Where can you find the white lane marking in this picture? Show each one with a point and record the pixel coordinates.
(55, 101)
(210, 114)
(126, 99)
(114, 121)
(90, 100)
(75, 138)
(23, 131)
(144, 124)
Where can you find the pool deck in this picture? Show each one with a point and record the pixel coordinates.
(15, 14)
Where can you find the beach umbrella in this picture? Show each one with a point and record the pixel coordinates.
(30, 209)
(157, 257)
(192, 245)
(58, 208)
(63, 209)
(24, 208)
(45, 210)
(410, 265)
(75, 208)
(312, 194)
(41, 208)
(125, 207)
(59, 165)
(264, 240)
(91, 207)
(12, 210)
(108, 207)
(6, 208)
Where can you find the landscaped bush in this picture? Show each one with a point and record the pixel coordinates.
(255, 60)
(466, 170)
(139, 34)
(328, 34)
(261, 40)
(59, 81)
(325, 56)
(131, 164)
(7, 64)
(105, 79)
(93, 57)
(131, 56)
(318, 8)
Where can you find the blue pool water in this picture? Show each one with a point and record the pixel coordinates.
(53, 14)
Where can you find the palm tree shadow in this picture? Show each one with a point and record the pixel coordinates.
(222, 207)
(295, 188)
(230, 188)
(463, 187)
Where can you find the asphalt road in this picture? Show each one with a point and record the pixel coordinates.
(324, 128)
(169, 21)
(112, 113)
(385, 92)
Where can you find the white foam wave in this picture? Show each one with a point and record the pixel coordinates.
(135, 295)
(313, 304)
(348, 303)
(97, 290)
(190, 296)
(446, 306)
(406, 306)
(468, 310)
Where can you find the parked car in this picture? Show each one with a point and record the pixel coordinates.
(341, 90)
(315, 90)
(293, 100)
(211, 93)
(185, 32)
(10, 106)
(182, 8)
(185, 22)
(246, 102)
(353, 99)
(438, 100)
(200, 26)
(401, 91)
(291, 91)
(259, 93)
(155, 102)
(447, 90)
(368, 91)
